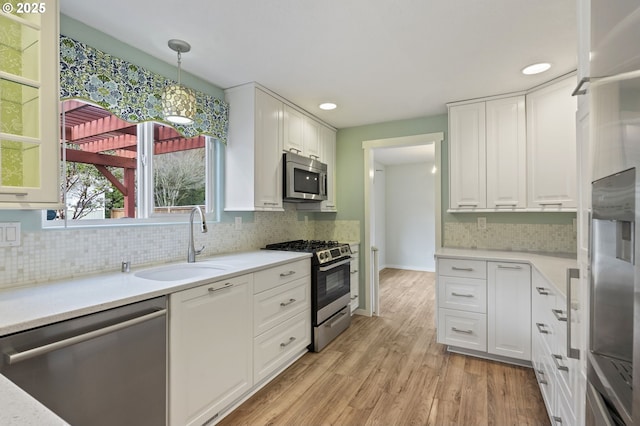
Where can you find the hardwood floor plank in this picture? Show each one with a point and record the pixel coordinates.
(389, 370)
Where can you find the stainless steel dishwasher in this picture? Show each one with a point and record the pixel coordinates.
(107, 368)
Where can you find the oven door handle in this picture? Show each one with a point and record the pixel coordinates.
(334, 265)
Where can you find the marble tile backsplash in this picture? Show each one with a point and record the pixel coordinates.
(551, 238)
(49, 255)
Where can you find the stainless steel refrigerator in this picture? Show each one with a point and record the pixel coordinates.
(613, 362)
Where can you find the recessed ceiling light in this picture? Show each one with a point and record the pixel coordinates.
(327, 106)
(536, 68)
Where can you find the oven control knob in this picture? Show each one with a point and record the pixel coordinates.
(321, 256)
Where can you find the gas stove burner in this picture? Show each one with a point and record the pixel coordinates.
(323, 251)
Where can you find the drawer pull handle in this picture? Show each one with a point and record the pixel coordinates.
(287, 274)
(541, 378)
(542, 291)
(355, 271)
(335, 319)
(354, 297)
(283, 304)
(556, 361)
(291, 340)
(559, 314)
(541, 329)
(509, 267)
(455, 268)
(226, 285)
(557, 419)
(459, 330)
(461, 294)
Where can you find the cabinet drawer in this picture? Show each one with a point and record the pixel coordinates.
(545, 376)
(463, 268)
(276, 346)
(465, 294)
(462, 329)
(273, 277)
(273, 306)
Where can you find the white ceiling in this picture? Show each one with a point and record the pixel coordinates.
(379, 60)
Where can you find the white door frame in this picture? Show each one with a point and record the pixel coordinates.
(371, 290)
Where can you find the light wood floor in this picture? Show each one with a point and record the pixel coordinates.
(389, 370)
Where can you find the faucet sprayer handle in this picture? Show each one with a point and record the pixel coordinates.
(200, 251)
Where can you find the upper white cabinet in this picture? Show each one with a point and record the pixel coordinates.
(514, 153)
(29, 135)
(253, 163)
(467, 156)
(551, 147)
(261, 126)
(301, 134)
(506, 153)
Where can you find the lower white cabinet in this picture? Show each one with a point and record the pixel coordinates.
(210, 355)
(485, 306)
(509, 309)
(557, 374)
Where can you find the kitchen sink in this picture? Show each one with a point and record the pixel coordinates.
(181, 271)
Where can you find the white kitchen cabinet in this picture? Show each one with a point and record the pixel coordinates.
(558, 375)
(354, 267)
(461, 290)
(551, 147)
(253, 156)
(301, 133)
(467, 157)
(282, 322)
(29, 97)
(509, 309)
(210, 356)
(506, 153)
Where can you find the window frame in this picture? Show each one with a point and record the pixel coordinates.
(145, 203)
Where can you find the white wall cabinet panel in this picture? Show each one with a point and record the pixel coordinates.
(293, 130)
(311, 139)
(253, 157)
(467, 157)
(327, 155)
(210, 338)
(551, 147)
(506, 153)
(509, 309)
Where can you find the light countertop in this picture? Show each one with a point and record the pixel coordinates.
(552, 267)
(23, 308)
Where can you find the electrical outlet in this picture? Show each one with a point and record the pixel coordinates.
(482, 223)
(10, 234)
(238, 224)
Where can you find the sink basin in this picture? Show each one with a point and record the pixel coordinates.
(181, 271)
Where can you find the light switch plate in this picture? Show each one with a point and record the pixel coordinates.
(10, 234)
(482, 223)
(238, 223)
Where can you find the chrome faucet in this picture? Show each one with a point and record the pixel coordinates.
(191, 254)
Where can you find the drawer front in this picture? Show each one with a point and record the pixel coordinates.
(273, 277)
(275, 347)
(465, 294)
(545, 376)
(462, 329)
(273, 306)
(462, 268)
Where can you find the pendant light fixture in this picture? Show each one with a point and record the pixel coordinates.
(178, 102)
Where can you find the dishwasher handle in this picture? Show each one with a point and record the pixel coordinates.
(14, 358)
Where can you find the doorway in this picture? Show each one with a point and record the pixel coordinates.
(392, 162)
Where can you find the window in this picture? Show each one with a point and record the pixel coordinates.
(113, 169)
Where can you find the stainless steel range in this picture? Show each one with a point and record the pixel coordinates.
(330, 287)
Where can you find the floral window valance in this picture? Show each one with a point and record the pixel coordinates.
(130, 91)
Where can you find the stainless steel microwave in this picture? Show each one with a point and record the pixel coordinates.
(305, 179)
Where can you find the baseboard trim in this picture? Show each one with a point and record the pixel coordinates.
(490, 357)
